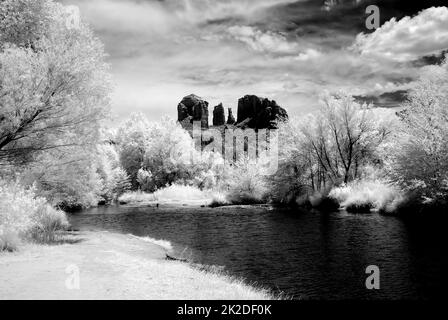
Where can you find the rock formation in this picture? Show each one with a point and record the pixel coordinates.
(259, 113)
(193, 108)
(253, 112)
(230, 118)
(219, 117)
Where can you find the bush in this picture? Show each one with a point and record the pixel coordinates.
(9, 240)
(24, 216)
(136, 197)
(359, 207)
(46, 221)
(219, 199)
(412, 204)
(71, 183)
(180, 192)
(175, 192)
(247, 184)
(363, 195)
(323, 202)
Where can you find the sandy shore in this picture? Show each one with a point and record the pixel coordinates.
(110, 266)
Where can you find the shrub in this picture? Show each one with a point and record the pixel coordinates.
(321, 201)
(359, 207)
(9, 240)
(71, 183)
(136, 197)
(247, 184)
(46, 221)
(180, 192)
(219, 199)
(175, 192)
(412, 204)
(24, 216)
(363, 195)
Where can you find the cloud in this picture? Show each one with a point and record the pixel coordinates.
(386, 100)
(407, 39)
(156, 15)
(209, 10)
(126, 16)
(272, 43)
(268, 42)
(289, 51)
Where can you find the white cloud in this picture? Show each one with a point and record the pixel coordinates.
(125, 16)
(268, 42)
(272, 43)
(408, 38)
(202, 10)
(159, 16)
(308, 55)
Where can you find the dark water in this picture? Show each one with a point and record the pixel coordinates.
(306, 255)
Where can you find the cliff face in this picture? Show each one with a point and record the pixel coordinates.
(193, 108)
(219, 117)
(231, 118)
(259, 113)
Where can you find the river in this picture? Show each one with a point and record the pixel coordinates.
(305, 255)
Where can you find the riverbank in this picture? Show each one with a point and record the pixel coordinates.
(111, 266)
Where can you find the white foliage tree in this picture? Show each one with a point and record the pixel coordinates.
(421, 161)
(343, 137)
(54, 83)
(132, 138)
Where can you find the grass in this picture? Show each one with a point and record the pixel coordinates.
(180, 194)
(172, 193)
(239, 287)
(137, 197)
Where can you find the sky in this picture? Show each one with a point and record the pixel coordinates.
(286, 50)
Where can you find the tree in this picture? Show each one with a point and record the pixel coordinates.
(68, 180)
(24, 22)
(54, 83)
(343, 136)
(131, 139)
(114, 179)
(156, 154)
(327, 148)
(421, 161)
(170, 156)
(296, 171)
